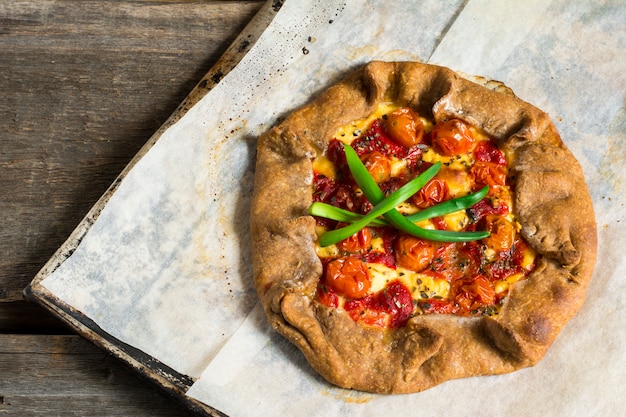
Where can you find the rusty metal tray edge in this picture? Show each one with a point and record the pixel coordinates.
(171, 382)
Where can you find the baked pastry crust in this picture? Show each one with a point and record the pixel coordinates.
(552, 203)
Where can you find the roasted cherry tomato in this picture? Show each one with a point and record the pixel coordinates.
(376, 138)
(486, 151)
(345, 197)
(508, 263)
(472, 293)
(488, 173)
(392, 306)
(439, 222)
(378, 165)
(452, 137)
(367, 311)
(398, 302)
(435, 191)
(437, 306)
(358, 242)
(502, 233)
(414, 253)
(486, 206)
(348, 276)
(327, 296)
(405, 127)
(453, 261)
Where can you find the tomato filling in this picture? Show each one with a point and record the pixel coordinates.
(381, 276)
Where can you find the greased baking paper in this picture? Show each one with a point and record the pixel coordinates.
(166, 266)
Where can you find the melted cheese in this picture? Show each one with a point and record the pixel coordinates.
(378, 244)
(323, 166)
(479, 134)
(456, 221)
(455, 173)
(504, 284)
(329, 251)
(351, 131)
(459, 162)
(529, 258)
(407, 208)
(397, 166)
(381, 275)
(421, 286)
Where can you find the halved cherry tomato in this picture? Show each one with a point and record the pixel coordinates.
(453, 261)
(367, 311)
(435, 191)
(327, 296)
(348, 276)
(444, 265)
(378, 165)
(376, 138)
(439, 222)
(502, 233)
(486, 206)
(398, 303)
(488, 173)
(405, 127)
(384, 256)
(452, 137)
(392, 306)
(472, 293)
(504, 266)
(437, 306)
(486, 151)
(414, 253)
(345, 197)
(358, 242)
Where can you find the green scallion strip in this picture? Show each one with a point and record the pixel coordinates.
(335, 213)
(374, 194)
(382, 205)
(400, 222)
(341, 215)
(368, 185)
(450, 206)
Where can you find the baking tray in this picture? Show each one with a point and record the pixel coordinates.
(557, 385)
(172, 382)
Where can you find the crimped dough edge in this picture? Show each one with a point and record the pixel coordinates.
(552, 203)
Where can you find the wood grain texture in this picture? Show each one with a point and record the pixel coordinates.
(36, 381)
(21, 317)
(83, 86)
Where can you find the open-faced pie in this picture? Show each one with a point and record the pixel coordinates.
(410, 226)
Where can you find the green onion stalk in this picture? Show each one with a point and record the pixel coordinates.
(386, 207)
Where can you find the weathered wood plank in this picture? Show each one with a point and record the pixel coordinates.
(21, 317)
(66, 375)
(83, 86)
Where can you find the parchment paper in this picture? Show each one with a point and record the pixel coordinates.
(166, 267)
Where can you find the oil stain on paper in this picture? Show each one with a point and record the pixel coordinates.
(613, 160)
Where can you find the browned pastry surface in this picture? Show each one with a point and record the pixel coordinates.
(552, 204)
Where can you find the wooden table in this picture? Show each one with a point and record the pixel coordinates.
(83, 85)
